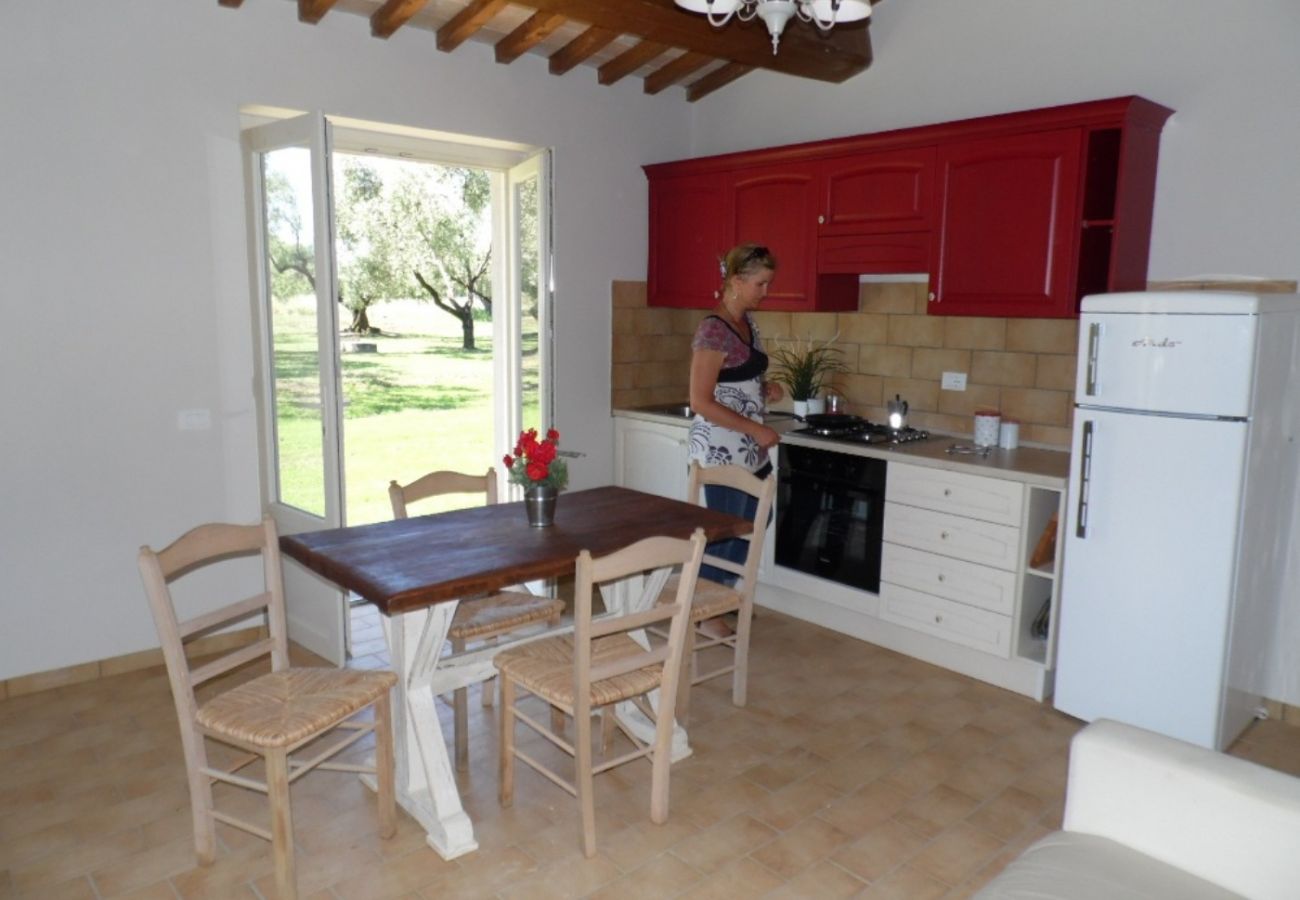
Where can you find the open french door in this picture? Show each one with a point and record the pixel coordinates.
(526, 331)
(298, 371)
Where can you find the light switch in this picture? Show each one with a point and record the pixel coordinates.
(194, 419)
(953, 381)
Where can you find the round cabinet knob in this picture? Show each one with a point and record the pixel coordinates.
(947, 492)
(941, 579)
(938, 619)
(943, 535)
(821, 220)
(932, 297)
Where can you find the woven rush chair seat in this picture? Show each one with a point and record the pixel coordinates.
(711, 599)
(485, 617)
(545, 668)
(282, 709)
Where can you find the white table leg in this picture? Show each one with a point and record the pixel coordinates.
(426, 781)
(631, 595)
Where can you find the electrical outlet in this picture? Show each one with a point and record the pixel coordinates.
(954, 381)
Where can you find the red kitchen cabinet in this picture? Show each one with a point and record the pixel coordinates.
(1007, 225)
(876, 193)
(688, 237)
(778, 207)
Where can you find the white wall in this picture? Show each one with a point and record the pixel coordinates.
(125, 275)
(1228, 189)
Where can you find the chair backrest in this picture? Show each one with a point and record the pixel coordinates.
(438, 483)
(763, 490)
(197, 548)
(654, 558)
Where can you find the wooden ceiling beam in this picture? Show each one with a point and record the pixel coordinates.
(834, 56)
(393, 15)
(538, 27)
(673, 72)
(313, 11)
(629, 61)
(461, 26)
(580, 49)
(719, 77)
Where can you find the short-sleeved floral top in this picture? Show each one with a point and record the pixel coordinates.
(739, 388)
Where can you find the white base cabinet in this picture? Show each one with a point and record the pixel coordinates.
(651, 456)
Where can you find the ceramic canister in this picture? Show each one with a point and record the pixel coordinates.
(987, 425)
(1009, 434)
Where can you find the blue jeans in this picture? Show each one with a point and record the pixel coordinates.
(737, 503)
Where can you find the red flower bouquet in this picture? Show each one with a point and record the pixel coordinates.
(534, 462)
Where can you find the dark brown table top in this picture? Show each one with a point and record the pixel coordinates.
(411, 563)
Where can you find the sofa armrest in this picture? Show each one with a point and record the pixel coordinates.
(1226, 820)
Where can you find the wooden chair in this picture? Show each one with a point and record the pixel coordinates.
(600, 664)
(274, 714)
(479, 618)
(713, 599)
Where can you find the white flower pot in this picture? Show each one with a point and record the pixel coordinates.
(811, 407)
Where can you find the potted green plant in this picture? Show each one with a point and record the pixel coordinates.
(804, 368)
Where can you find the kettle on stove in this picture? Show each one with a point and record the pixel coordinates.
(897, 413)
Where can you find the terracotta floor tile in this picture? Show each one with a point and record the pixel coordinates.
(851, 771)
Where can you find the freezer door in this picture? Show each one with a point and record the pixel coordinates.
(1149, 558)
(1184, 364)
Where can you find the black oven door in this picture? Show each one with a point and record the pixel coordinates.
(831, 515)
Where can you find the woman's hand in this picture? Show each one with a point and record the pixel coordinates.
(766, 437)
(772, 392)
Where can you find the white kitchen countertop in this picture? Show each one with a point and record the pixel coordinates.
(1030, 465)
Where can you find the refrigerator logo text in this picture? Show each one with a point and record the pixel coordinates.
(1152, 342)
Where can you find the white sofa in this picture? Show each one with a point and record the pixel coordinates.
(1147, 816)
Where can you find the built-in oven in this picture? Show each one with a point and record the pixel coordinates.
(830, 515)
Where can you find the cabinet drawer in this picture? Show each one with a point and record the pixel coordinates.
(956, 622)
(990, 499)
(990, 589)
(968, 539)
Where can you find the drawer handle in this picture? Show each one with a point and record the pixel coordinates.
(943, 535)
(947, 492)
(938, 619)
(941, 579)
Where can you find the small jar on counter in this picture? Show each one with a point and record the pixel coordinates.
(987, 424)
(1009, 434)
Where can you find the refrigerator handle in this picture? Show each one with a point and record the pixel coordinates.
(1094, 341)
(1085, 471)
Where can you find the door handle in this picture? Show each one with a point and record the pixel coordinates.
(1094, 343)
(1085, 474)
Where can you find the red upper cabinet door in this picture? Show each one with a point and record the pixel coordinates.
(777, 206)
(1008, 232)
(687, 238)
(878, 193)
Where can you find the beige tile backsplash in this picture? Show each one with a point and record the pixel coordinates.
(1023, 367)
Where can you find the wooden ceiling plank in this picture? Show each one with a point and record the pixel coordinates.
(537, 28)
(312, 11)
(673, 72)
(629, 61)
(834, 56)
(719, 77)
(393, 15)
(580, 49)
(469, 20)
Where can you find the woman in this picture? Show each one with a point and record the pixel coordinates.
(729, 394)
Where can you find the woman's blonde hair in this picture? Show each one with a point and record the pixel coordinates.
(746, 259)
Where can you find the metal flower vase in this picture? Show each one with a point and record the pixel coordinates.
(539, 503)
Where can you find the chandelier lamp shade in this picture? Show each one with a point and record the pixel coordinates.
(776, 13)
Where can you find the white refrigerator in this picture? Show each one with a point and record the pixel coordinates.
(1183, 474)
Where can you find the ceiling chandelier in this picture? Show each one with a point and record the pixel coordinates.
(775, 13)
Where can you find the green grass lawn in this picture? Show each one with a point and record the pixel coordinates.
(420, 403)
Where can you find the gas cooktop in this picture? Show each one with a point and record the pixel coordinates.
(857, 430)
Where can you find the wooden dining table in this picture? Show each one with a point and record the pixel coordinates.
(417, 569)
